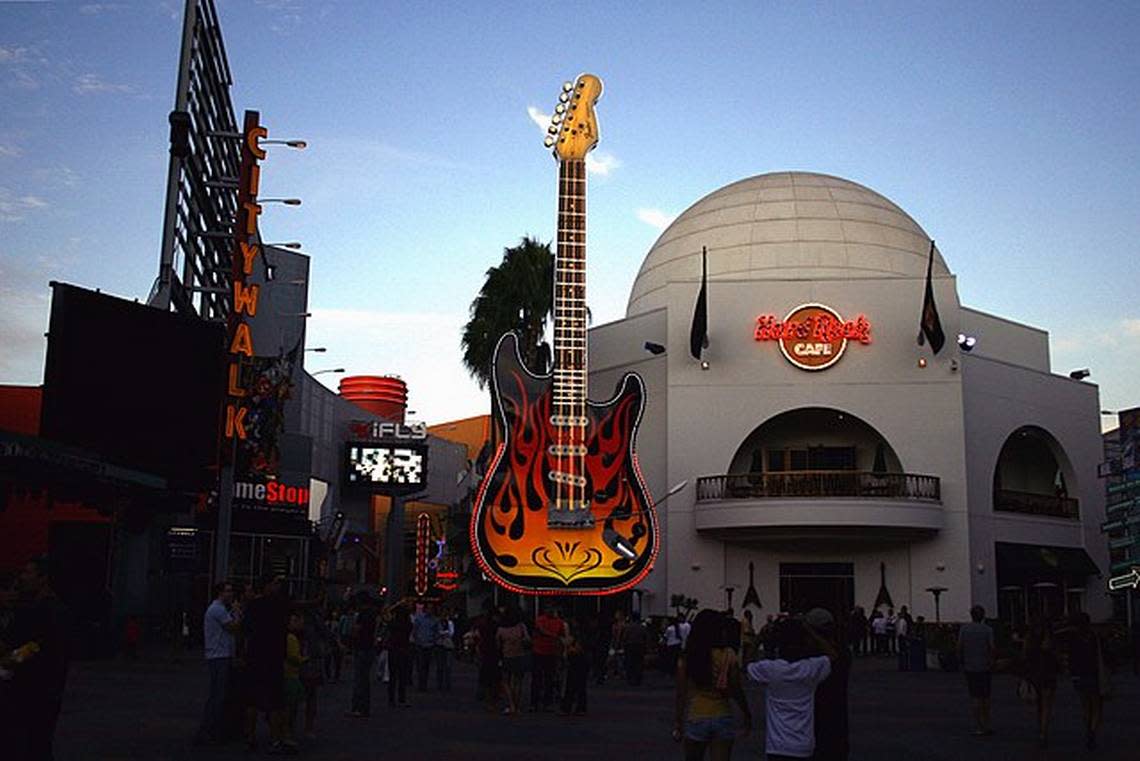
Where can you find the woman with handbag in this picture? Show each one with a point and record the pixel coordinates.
(708, 678)
(1090, 677)
(513, 641)
(1042, 664)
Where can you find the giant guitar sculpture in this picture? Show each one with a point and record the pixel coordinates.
(563, 508)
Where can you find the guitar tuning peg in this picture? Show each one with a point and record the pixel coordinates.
(552, 129)
(560, 108)
(567, 86)
(556, 119)
(548, 142)
(563, 97)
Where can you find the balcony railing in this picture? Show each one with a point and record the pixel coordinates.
(1009, 501)
(819, 483)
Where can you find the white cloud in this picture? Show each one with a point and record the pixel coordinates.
(539, 118)
(86, 84)
(8, 150)
(1131, 326)
(56, 176)
(12, 54)
(420, 347)
(597, 162)
(15, 207)
(601, 163)
(94, 9)
(655, 218)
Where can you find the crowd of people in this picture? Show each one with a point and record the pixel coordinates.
(267, 657)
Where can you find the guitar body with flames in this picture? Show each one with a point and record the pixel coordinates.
(513, 538)
(563, 508)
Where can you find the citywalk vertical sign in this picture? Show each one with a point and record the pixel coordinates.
(243, 307)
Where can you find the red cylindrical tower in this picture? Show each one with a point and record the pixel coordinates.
(382, 395)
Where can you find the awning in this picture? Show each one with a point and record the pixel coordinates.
(1022, 564)
(50, 463)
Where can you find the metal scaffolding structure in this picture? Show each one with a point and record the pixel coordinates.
(201, 192)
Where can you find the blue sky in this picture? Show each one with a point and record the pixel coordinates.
(1007, 130)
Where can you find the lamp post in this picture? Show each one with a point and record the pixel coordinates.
(937, 592)
(333, 370)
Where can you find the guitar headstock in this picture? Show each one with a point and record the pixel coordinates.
(573, 130)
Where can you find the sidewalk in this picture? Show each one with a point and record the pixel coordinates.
(149, 709)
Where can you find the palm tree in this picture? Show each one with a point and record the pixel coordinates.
(518, 296)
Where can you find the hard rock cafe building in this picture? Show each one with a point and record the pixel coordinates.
(827, 457)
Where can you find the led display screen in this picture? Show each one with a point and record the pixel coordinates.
(386, 465)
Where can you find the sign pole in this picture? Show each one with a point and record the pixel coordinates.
(394, 559)
(225, 520)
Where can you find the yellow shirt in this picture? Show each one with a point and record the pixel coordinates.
(709, 702)
(292, 656)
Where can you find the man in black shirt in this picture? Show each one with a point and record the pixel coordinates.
(363, 656)
(263, 621)
(831, 721)
(39, 636)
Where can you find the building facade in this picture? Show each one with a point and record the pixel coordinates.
(827, 457)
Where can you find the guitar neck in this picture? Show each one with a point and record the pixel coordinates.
(570, 290)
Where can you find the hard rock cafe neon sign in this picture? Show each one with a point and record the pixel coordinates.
(812, 336)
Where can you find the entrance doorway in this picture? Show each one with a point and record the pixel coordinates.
(830, 586)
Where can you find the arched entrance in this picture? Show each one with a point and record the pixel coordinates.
(816, 452)
(1033, 475)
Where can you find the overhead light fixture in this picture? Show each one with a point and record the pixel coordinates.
(654, 348)
(1080, 374)
(966, 343)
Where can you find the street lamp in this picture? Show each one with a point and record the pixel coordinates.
(937, 592)
(318, 349)
(334, 370)
(296, 246)
(286, 201)
(298, 144)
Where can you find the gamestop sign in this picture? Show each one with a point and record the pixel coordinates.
(272, 497)
(812, 336)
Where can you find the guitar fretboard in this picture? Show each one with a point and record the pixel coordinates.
(569, 385)
(571, 505)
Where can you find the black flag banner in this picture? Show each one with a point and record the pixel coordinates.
(930, 327)
(699, 334)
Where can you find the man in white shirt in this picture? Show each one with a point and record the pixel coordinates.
(791, 680)
(879, 632)
(674, 640)
(218, 626)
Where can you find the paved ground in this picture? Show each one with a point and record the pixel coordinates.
(148, 709)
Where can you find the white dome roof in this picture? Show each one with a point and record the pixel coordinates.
(785, 225)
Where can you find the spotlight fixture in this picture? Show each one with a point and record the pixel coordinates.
(966, 343)
(654, 348)
(704, 364)
(1080, 374)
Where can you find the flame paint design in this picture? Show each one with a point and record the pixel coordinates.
(514, 543)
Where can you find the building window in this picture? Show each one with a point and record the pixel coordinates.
(812, 458)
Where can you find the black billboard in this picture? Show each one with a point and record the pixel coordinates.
(139, 386)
